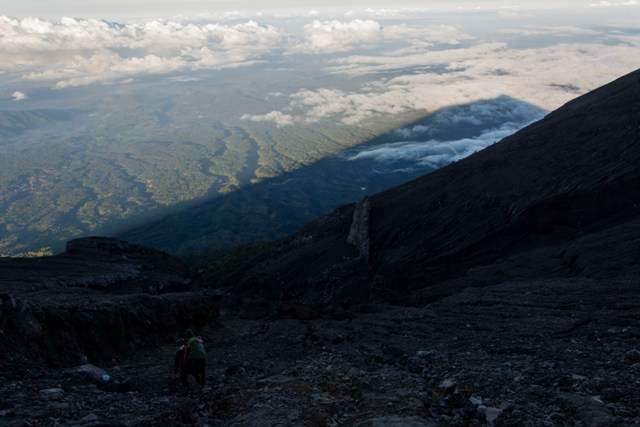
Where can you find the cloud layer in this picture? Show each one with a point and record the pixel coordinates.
(76, 52)
(385, 67)
(432, 154)
(415, 148)
(616, 3)
(429, 74)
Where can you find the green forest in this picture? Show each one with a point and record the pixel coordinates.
(138, 155)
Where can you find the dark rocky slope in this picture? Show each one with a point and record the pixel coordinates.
(563, 352)
(559, 198)
(102, 297)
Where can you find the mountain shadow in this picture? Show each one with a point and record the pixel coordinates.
(16, 122)
(277, 207)
(559, 198)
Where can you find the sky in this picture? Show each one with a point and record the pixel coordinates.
(154, 8)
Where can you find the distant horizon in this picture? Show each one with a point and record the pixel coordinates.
(37, 53)
(145, 9)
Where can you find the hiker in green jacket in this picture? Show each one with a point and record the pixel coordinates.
(197, 357)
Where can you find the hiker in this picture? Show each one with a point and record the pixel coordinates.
(191, 359)
(181, 363)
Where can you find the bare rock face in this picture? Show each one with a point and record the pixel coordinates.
(100, 298)
(100, 328)
(359, 231)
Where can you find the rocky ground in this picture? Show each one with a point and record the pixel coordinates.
(554, 353)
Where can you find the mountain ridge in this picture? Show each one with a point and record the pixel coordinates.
(548, 184)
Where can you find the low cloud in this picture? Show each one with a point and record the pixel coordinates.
(421, 36)
(616, 4)
(280, 119)
(349, 108)
(337, 36)
(412, 132)
(430, 154)
(546, 77)
(413, 68)
(429, 145)
(75, 52)
(553, 31)
(19, 96)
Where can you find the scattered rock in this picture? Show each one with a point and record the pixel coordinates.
(632, 356)
(90, 418)
(475, 400)
(396, 421)
(447, 386)
(52, 394)
(591, 409)
(99, 377)
(396, 365)
(491, 414)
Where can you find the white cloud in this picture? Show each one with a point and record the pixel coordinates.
(616, 4)
(337, 36)
(384, 12)
(403, 60)
(546, 77)
(431, 153)
(426, 36)
(349, 108)
(412, 132)
(553, 31)
(418, 148)
(19, 96)
(414, 67)
(76, 52)
(280, 119)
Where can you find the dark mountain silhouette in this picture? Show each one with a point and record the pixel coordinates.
(558, 198)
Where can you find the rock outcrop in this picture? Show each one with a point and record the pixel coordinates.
(359, 231)
(100, 298)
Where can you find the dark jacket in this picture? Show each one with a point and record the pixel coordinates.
(181, 359)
